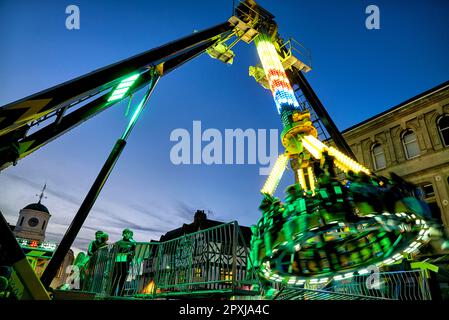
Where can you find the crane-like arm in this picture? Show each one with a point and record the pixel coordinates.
(99, 86)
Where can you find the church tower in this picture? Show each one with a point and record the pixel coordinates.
(33, 220)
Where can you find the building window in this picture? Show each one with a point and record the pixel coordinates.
(21, 220)
(182, 276)
(43, 225)
(427, 190)
(225, 275)
(198, 272)
(443, 128)
(378, 155)
(410, 144)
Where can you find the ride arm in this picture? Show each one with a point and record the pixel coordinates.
(18, 117)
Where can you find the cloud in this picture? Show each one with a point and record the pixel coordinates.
(58, 193)
(80, 244)
(159, 214)
(24, 180)
(148, 220)
(184, 210)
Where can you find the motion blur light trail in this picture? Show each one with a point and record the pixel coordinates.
(328, 228)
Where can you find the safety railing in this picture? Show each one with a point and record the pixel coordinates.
(214, 259)
(247, 12)
(292, 47)
(211, 261)
(291, 293)
(112, 272)
(400, 285)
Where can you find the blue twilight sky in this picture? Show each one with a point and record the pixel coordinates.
(357, 73)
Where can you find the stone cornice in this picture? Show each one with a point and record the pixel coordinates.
(401, 112)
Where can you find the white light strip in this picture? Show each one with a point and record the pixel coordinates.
(311, 179)
(314, 146)
(311, 148)
(302, 179)
(275, 175)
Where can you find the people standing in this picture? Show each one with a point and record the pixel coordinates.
(124, 253)
(95, 258)
(101, 241)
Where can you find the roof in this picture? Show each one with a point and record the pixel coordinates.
(202, 225)
(38, 207)
(419, 96)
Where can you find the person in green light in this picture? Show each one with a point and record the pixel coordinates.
(101, 241)
(87, 263)
(124, 249)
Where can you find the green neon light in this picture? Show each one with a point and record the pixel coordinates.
(125, 84)
(115, 97)
(134, 117)
(123, 87)
(119, 91)
(302, 205)
(323, 194)
(132, 78)
(337, 190)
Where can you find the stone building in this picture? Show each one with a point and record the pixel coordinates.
(30, 233)
(412, 140)
(32, 222)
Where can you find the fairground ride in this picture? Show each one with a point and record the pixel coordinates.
(337, 219)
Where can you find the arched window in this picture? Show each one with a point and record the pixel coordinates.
(377, 152)
(443, 128)
(410, 144)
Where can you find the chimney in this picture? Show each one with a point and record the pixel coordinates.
(199, 217)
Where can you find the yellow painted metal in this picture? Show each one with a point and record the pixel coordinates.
(425, 267)
(32, 285)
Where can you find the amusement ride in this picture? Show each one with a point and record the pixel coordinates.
(338, 219)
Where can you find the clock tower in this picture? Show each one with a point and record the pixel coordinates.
(33, 220)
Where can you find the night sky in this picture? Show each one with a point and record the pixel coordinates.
(357, 73)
